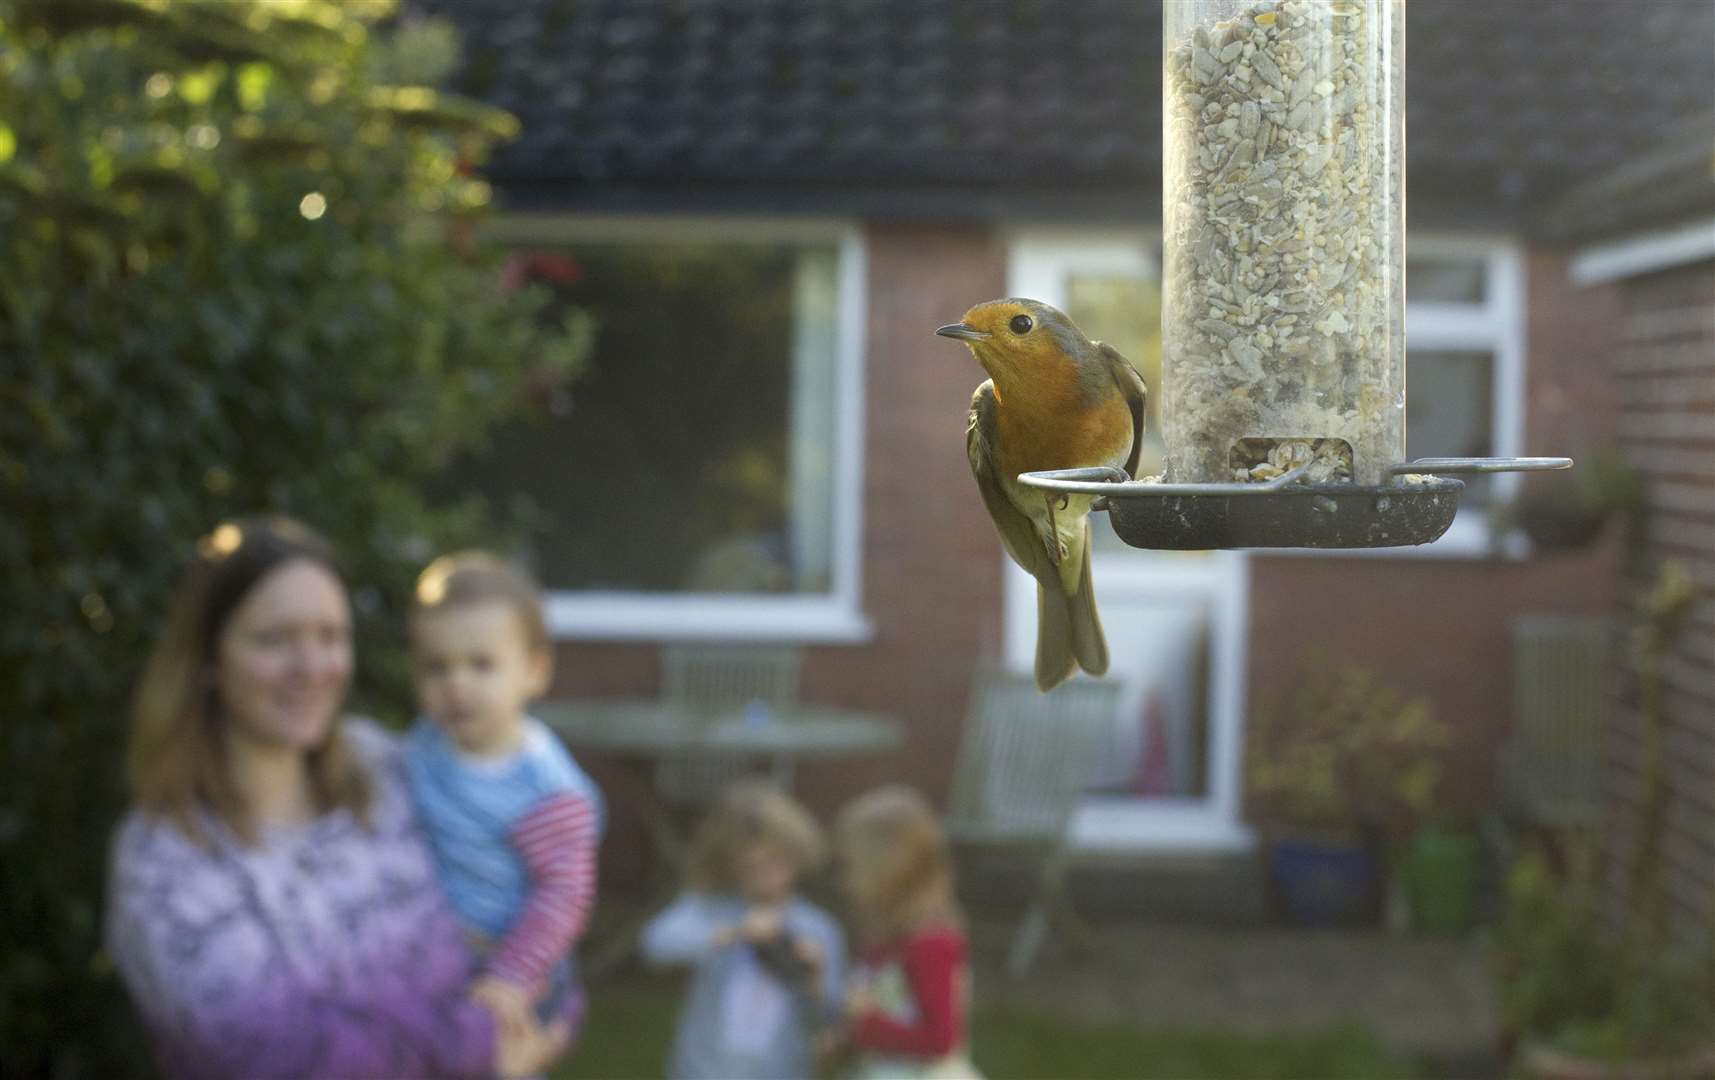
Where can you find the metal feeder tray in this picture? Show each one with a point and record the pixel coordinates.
(1285, 511)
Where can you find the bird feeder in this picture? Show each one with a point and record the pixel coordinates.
(1283, 292)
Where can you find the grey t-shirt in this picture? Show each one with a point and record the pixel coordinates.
(740, 1020)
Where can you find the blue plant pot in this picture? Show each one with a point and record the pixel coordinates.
(1324, 884)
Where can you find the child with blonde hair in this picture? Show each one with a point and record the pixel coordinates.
(909, 997)
(513, 822)
(768, 963)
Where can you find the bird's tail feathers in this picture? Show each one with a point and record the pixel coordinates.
(1089, 644)
(1068, 631)
(1055, 658)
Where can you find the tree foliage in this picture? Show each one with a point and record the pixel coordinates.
(240, 275)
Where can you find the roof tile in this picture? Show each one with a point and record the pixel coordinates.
(1510, 99)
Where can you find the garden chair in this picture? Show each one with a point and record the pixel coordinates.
(1024, 761)
(1553, 758)
(706, 684)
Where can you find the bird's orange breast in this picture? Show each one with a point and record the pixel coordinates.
(1048, 425)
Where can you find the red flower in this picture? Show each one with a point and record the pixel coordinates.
(539, 266)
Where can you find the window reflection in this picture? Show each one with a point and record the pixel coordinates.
(1447, 280)
(1448, 410)
(1124, 310)
(694, 453)
(1158, 747)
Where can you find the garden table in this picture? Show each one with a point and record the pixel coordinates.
(652, 729)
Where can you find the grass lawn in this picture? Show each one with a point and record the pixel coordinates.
(628, 1033)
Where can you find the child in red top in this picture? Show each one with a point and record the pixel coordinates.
(909, 1000)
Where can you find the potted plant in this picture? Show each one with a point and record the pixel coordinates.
(1583, 998)
(1439, 873)
(1562, 511)
(1341, 769)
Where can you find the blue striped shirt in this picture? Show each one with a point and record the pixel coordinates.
(469, 806)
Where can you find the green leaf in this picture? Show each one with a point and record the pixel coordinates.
(254, 81)
(423, 106)
(196, 87)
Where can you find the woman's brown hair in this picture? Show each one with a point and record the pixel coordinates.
(896, 863)
(749, 812)
(178, 765)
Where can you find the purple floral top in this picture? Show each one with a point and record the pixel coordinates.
(324, 951)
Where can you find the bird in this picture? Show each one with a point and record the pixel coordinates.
(1054, 399)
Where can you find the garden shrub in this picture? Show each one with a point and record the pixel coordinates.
(241, 275)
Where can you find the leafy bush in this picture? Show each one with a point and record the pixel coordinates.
(239, 275)
(1567, 978)
(1345, 752)
(1547, 951)
(1633, 986)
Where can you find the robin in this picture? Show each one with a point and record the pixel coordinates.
(1054, 400)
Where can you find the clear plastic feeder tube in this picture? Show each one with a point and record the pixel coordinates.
(1283, 314)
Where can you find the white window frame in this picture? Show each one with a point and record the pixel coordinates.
(834, 617)
(1039, 261)
(1496, 325)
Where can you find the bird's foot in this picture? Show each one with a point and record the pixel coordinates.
(1056, 549)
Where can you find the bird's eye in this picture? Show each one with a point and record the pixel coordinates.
(1021, 324)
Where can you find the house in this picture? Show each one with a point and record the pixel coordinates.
(769, 205)
(1643, 236)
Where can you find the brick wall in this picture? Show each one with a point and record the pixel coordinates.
(931, 561)
(1663, 365)
(1441, 626)
(931, 564)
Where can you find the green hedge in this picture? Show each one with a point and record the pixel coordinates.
(237, 276)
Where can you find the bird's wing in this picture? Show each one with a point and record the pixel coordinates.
(1136, 397)
(1017, 534)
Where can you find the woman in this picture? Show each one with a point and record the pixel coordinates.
(273, 909)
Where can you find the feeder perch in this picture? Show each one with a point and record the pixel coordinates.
(1415, 507)
(1283, 290)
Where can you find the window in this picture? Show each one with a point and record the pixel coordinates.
(1447, 277)
(1465, 366)
(1175, 620)
(1124, 310)
(1110, 287)
(1449, 409)
(1464, 339)
(700, 477)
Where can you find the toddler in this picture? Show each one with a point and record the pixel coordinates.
(513, 822)
(768, 964)
(910, 990)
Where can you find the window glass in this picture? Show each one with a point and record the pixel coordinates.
(1158, 742)
(1448, 409)
(1124, 310)
(695, 452)
(1445, 279)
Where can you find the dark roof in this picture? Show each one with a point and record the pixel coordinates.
(1669, 184)
(654, 100)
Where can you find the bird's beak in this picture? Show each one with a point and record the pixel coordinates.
(962, 332)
